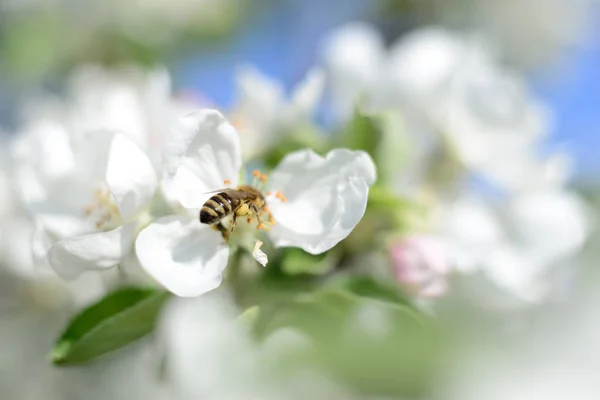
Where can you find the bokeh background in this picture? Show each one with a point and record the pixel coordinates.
(554, 42)
(554, 45)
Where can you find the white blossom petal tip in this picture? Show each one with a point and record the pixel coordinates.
(73, 256)
(325, 197)
(201, 152)
(306, 94)
(259, 255)
(186, 257)
(129, 175)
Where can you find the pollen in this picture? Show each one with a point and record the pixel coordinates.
(237, 121)
(227, 182)
(263, 226)
(256, 173)
(102, 210)
(280, 196)
(89, 209)
(263, 178)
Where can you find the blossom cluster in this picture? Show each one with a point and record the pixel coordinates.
(99, 180)
(428, 175)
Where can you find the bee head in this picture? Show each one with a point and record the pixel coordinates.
(257, 199)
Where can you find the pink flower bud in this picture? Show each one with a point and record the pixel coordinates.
(421, 265)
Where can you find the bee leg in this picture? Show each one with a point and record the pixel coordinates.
(233, 222)
(257, 213)
(223, 230)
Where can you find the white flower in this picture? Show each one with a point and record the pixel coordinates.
(136, 102)
(263, 115)
(85, 195)
(325, 197)
(454, 95)
(492, 122)
(355, 58)
(515, 246)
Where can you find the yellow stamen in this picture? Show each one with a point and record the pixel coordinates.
(256, 173)
(227, 182)
(262, 226)
(89, 209)
(263, 178)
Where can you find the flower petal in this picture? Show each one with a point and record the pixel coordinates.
(129, 175)
(424, 60)
(353, 56)
(325, 197)
(201, 153)
(550, 225)
(259, 255)
(306, 95)
(96, 251)
(186, 257)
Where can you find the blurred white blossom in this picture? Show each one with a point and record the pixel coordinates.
(263, 115)
(210, 355)
(515, 246)
(454, 95)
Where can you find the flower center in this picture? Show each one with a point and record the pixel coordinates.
(258, 184)
(253, 209)
(103, 210)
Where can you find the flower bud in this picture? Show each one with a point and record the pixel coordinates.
(420, 265)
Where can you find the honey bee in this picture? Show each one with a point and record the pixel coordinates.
(235, 203)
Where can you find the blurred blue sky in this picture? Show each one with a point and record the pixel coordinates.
(282, 42)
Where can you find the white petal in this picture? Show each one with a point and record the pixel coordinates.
(259, 255)
(306, 96)
(96, 251)
(61, 209)
(182, 254)
(423, 60)
(326, 197)
(129, 175)
(201, 152)
(354, 55)
(471, 231)
(549, 225)
(40, 244)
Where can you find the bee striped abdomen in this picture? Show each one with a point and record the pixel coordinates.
(216, 208)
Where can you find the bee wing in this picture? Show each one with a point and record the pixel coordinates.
(218, 191)
(233, 193)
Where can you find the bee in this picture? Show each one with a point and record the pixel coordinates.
(232, 202)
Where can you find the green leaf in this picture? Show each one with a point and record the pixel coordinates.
(249, 317)
(370, 287)
(115, 321)
(399, 213)
(365, 337)
(301, 137)
(363, 132)
(382, 136)
(297, 261)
